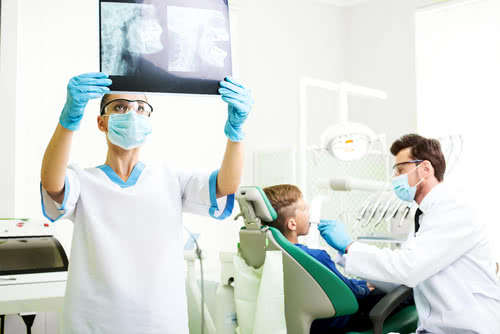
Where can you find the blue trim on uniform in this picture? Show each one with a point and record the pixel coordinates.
(66, 193)
(132, 179)
(228, 210)
(63, 206)
(212, 181)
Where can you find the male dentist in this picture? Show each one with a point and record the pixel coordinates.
(447, 261)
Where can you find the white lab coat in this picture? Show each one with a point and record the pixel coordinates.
(448, 263)
(126, 272)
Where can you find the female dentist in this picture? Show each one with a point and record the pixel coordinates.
(127, 271)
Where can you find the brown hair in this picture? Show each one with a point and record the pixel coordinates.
(422, 149)
(283, 198)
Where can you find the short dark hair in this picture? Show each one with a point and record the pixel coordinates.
(422, 149)
(283, 198)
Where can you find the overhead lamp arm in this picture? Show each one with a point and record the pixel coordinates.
(345, 89)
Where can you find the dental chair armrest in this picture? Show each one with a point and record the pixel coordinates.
(386, 305)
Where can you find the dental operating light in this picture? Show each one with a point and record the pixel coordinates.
(346, 140)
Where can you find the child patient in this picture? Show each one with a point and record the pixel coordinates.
(293, 221)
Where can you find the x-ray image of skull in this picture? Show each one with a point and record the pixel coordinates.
(165, 46)
(143, 35)
(127, 31)
(194, 37)
(211, 33)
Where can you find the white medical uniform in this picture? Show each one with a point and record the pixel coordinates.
(126, 272)
(448, 263)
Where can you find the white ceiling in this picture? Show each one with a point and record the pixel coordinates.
(342, 3)
(339, 3)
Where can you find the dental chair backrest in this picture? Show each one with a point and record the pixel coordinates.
(312, 291)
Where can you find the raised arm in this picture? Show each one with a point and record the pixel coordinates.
(231, 169)
(55, 161)
(240, 103)
(81, 89)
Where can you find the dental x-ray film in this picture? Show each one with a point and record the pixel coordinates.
(165, 46)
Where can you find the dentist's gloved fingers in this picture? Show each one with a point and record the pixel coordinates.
(324, 230)
(91, 89)
(233, 81)
(239, 102)
(93, 75)
(241, 107)
(91, 96)
(80, 90)
(92, 81)
(225, 91)
(81, 95)
(230, 94)
(327, 222)
(323, 226)
(237, 89)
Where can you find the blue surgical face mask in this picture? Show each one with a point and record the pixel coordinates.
(403, 189)
(128, 130)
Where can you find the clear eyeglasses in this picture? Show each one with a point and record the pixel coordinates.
(399, 168)
(122, 106)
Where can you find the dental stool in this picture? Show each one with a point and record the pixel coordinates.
(312, 291)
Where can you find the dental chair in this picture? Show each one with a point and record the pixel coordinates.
(312, 291)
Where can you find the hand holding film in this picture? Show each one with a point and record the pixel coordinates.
(80, 90)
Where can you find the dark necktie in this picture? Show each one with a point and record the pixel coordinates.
(418, 213)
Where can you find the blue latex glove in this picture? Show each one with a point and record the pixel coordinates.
(81, 89)
(239, 101)
(334, 234)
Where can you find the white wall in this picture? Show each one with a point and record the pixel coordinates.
(458, 81)
(8, 66)
(281, 41)
(381, 54)
(52, 47)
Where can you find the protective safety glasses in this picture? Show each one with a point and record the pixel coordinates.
(398, 168)
(122, 106)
